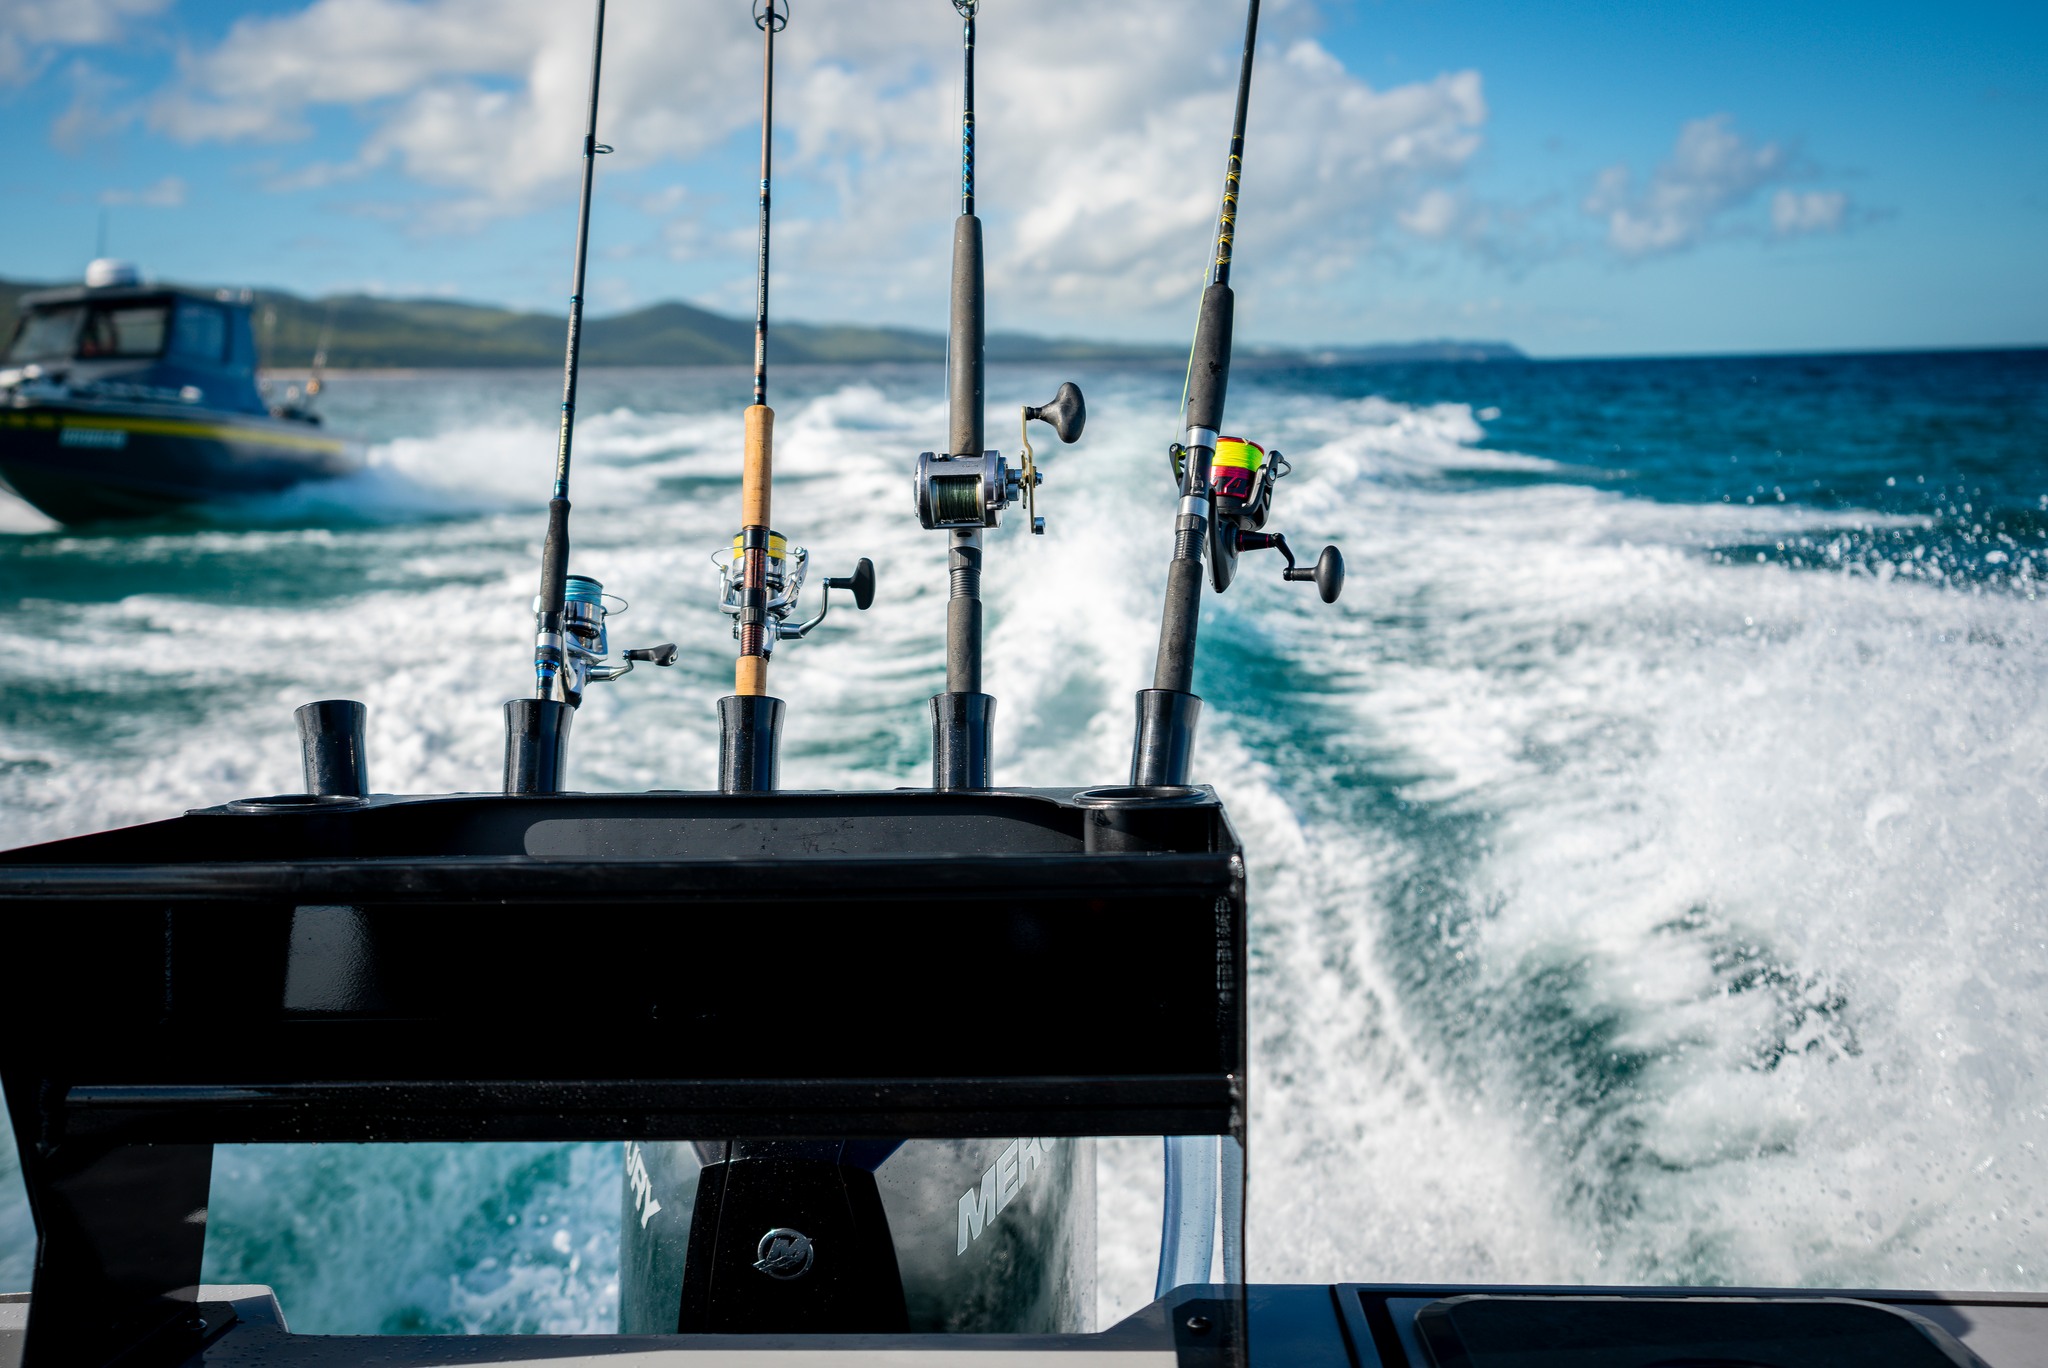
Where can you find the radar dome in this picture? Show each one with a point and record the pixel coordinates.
(107, 272)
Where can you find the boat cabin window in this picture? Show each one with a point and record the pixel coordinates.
(199, 332)
(123, 330)
(46, 335)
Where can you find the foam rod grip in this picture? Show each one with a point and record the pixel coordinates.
(758, 472)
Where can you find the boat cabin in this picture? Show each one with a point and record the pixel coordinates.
(136, 342)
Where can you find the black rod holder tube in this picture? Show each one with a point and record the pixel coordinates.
(1121, 820)
(536, 744)
(331, 747)
(963, 732)
(749, 743)
(1164, 747)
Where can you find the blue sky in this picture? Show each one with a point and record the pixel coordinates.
(1575, 178)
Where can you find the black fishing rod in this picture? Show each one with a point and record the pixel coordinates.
(764, 574)
(964, 490)
(570, 638)
(1226, 489)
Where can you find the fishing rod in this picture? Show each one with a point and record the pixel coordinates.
(314, 382)
(764, 574)
(571, 639)
(1226, 491)
(964, 490)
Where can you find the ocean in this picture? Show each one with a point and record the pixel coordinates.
(1647, 853)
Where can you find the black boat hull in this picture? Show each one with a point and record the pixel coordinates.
(82, 463)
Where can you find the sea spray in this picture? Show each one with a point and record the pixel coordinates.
(1626, 907)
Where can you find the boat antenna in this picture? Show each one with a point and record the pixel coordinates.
(763, 575)
(314, 384)
(570, 638)
(1225, 488)
(964, 489)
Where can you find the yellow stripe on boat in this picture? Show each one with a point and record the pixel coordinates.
(171, 427)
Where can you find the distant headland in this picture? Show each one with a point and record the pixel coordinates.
(370, 332)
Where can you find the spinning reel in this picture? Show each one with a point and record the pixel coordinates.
(585, 641)
(969, 489)
(785, 581)
(1241, 479)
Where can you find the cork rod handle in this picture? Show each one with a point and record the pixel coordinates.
(759, 469)
(750, 672)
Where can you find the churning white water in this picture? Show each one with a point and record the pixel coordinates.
(1643, 890)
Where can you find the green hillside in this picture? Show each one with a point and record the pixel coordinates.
(375, 333)
(420, 334)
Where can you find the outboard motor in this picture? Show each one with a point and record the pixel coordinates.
(814, 1237)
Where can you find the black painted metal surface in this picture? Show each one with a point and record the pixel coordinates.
(779, 965)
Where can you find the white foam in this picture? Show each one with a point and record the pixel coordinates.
(1549, 785)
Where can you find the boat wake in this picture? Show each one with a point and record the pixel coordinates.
(1646, 881)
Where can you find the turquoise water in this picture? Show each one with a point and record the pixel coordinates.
(1647, 851)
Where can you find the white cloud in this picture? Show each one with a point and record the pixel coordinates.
(1713, 173)
(1808, 211)
(1434, 214)
(97, 108)
(167, 193)
(30, 29)
(1101, 128)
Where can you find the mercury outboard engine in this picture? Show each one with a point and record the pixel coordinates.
(859, 1236)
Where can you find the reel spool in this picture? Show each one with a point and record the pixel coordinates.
(1242, 475)
(970, 490)
(586, 639)
(787, 565)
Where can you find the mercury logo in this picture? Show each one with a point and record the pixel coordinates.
(785, 1254)
(999, 1187)
(642, 1183)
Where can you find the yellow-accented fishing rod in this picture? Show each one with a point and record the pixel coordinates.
(1226, 490)
(764, 574)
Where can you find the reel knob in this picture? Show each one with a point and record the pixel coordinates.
(1067, 414)
(1327, 574)
(861, 583)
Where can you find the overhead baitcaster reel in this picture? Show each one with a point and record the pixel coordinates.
(1241, 480)
(586, 641)
(786, 567)
(968, 490)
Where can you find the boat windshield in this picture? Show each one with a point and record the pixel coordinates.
(126, 330)
(96, 332)
(46, 335)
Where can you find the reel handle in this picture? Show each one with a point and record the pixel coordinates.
(664, 654)
(861, 583)
(1327, 574)
(1067, 414)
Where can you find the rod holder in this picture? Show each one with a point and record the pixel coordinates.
(749, 743)
(536, 744)
(1165, 743)
(331, 747)
(963, 739)
(1122, 820)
